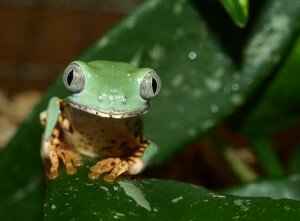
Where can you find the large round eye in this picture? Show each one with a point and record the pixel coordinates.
(74, 78)
(150, 85)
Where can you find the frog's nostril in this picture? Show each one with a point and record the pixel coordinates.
(100, 97)
(124, 100)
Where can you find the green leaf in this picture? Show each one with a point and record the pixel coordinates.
(295, 161)
(201, 83)
(276, 188)
(278, 108)
(80, 198)
(238, 10)
(267, 157)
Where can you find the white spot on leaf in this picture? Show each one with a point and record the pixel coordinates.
(177, 199)
(207, 124)
(212, 84)
(135, 193)
(177, 80)
(156, 53)
(236, 99)
(103, 42)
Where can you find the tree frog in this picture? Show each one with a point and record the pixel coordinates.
(101, 118)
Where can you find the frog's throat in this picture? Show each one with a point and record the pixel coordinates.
(110, 113)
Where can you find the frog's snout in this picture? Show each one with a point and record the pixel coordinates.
(112, 99)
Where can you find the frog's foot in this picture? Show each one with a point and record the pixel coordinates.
(54, 153)
(116, 166)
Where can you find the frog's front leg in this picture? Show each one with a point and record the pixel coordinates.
(53, 149)
(132, 165)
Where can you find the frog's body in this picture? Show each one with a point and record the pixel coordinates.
(102, 137)
(102, 119)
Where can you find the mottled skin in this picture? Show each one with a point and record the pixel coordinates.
(102, 119)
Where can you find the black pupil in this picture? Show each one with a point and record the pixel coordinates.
(70, 77)
(154, 85)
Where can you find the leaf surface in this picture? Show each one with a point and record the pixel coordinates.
(79, 198)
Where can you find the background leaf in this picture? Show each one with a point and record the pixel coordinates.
(238, 10)
(267, 157)
(279, 107)
(295, 161)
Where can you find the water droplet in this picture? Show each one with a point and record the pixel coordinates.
(235, 87)
(192, 55)
(214, 108)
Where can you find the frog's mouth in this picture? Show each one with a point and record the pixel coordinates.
(110, 113)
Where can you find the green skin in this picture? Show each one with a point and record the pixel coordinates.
(114, 81)
(111, 93)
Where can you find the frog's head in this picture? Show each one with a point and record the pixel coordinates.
(110, 89)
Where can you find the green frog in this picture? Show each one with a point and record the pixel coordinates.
(101, 118)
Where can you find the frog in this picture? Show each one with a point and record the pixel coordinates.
(101, 117)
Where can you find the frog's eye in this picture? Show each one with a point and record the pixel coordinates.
(150, 85)
(74, 78)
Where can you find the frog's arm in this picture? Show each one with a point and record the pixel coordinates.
(150, 153)
(53, 112)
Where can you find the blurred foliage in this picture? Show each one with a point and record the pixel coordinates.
(279, 106)
(267, 157)
(238, 10)
(209, 71)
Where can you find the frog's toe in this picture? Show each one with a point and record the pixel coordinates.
(116, 167)
(119, 169)
(103, 166)
(52, 174)
(135, 165)
(70, 160)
